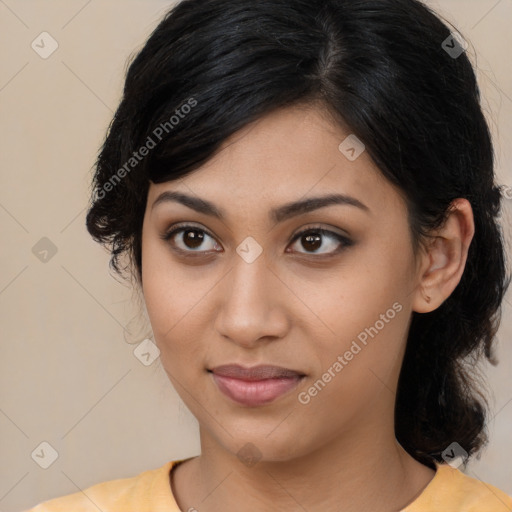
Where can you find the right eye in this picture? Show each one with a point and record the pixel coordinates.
(191, 237)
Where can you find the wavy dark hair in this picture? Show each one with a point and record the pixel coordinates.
(393, 74)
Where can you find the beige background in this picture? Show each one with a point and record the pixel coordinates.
(68, 376)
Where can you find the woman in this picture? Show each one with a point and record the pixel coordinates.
(304, 192)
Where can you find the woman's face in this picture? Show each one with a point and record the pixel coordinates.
(242, 289)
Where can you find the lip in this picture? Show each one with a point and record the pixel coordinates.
(257, 385)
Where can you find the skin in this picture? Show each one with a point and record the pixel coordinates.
(292, 308)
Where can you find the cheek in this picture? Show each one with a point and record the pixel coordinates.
(361, 293)
(161, 288)
(359, 370)
(164, 289)
(367, 313)
(365, 336)
(175, 301)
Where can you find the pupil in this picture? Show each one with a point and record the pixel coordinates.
(193, 238)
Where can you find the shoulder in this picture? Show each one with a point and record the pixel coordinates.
(451, 489)
(133, 494)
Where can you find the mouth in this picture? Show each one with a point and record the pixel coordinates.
(257, 385)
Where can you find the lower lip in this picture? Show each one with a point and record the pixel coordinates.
(256, 392)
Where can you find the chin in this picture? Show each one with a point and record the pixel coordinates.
(256, 447)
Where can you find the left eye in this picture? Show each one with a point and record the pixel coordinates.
(311, 239)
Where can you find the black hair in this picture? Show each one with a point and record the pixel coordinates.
(390, 71)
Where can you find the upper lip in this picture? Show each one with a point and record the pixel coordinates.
(259, 372)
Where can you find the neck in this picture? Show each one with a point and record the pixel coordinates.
(367, 471)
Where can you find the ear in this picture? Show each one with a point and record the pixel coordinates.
(444, 258)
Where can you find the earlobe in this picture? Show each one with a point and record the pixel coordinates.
(445, 258)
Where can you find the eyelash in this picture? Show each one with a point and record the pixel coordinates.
(346, 242)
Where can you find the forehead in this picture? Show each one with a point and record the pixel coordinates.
(288, 154)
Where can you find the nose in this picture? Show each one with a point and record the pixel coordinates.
(251, 302)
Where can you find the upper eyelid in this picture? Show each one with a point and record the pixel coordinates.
(180, 226)
(183, 226)
(318, 228)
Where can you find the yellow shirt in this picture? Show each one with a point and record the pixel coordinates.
(449, 491)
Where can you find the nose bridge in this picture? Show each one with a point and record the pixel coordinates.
(248, 304)
(251, 274)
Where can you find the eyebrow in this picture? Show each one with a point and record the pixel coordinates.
(279, 214)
